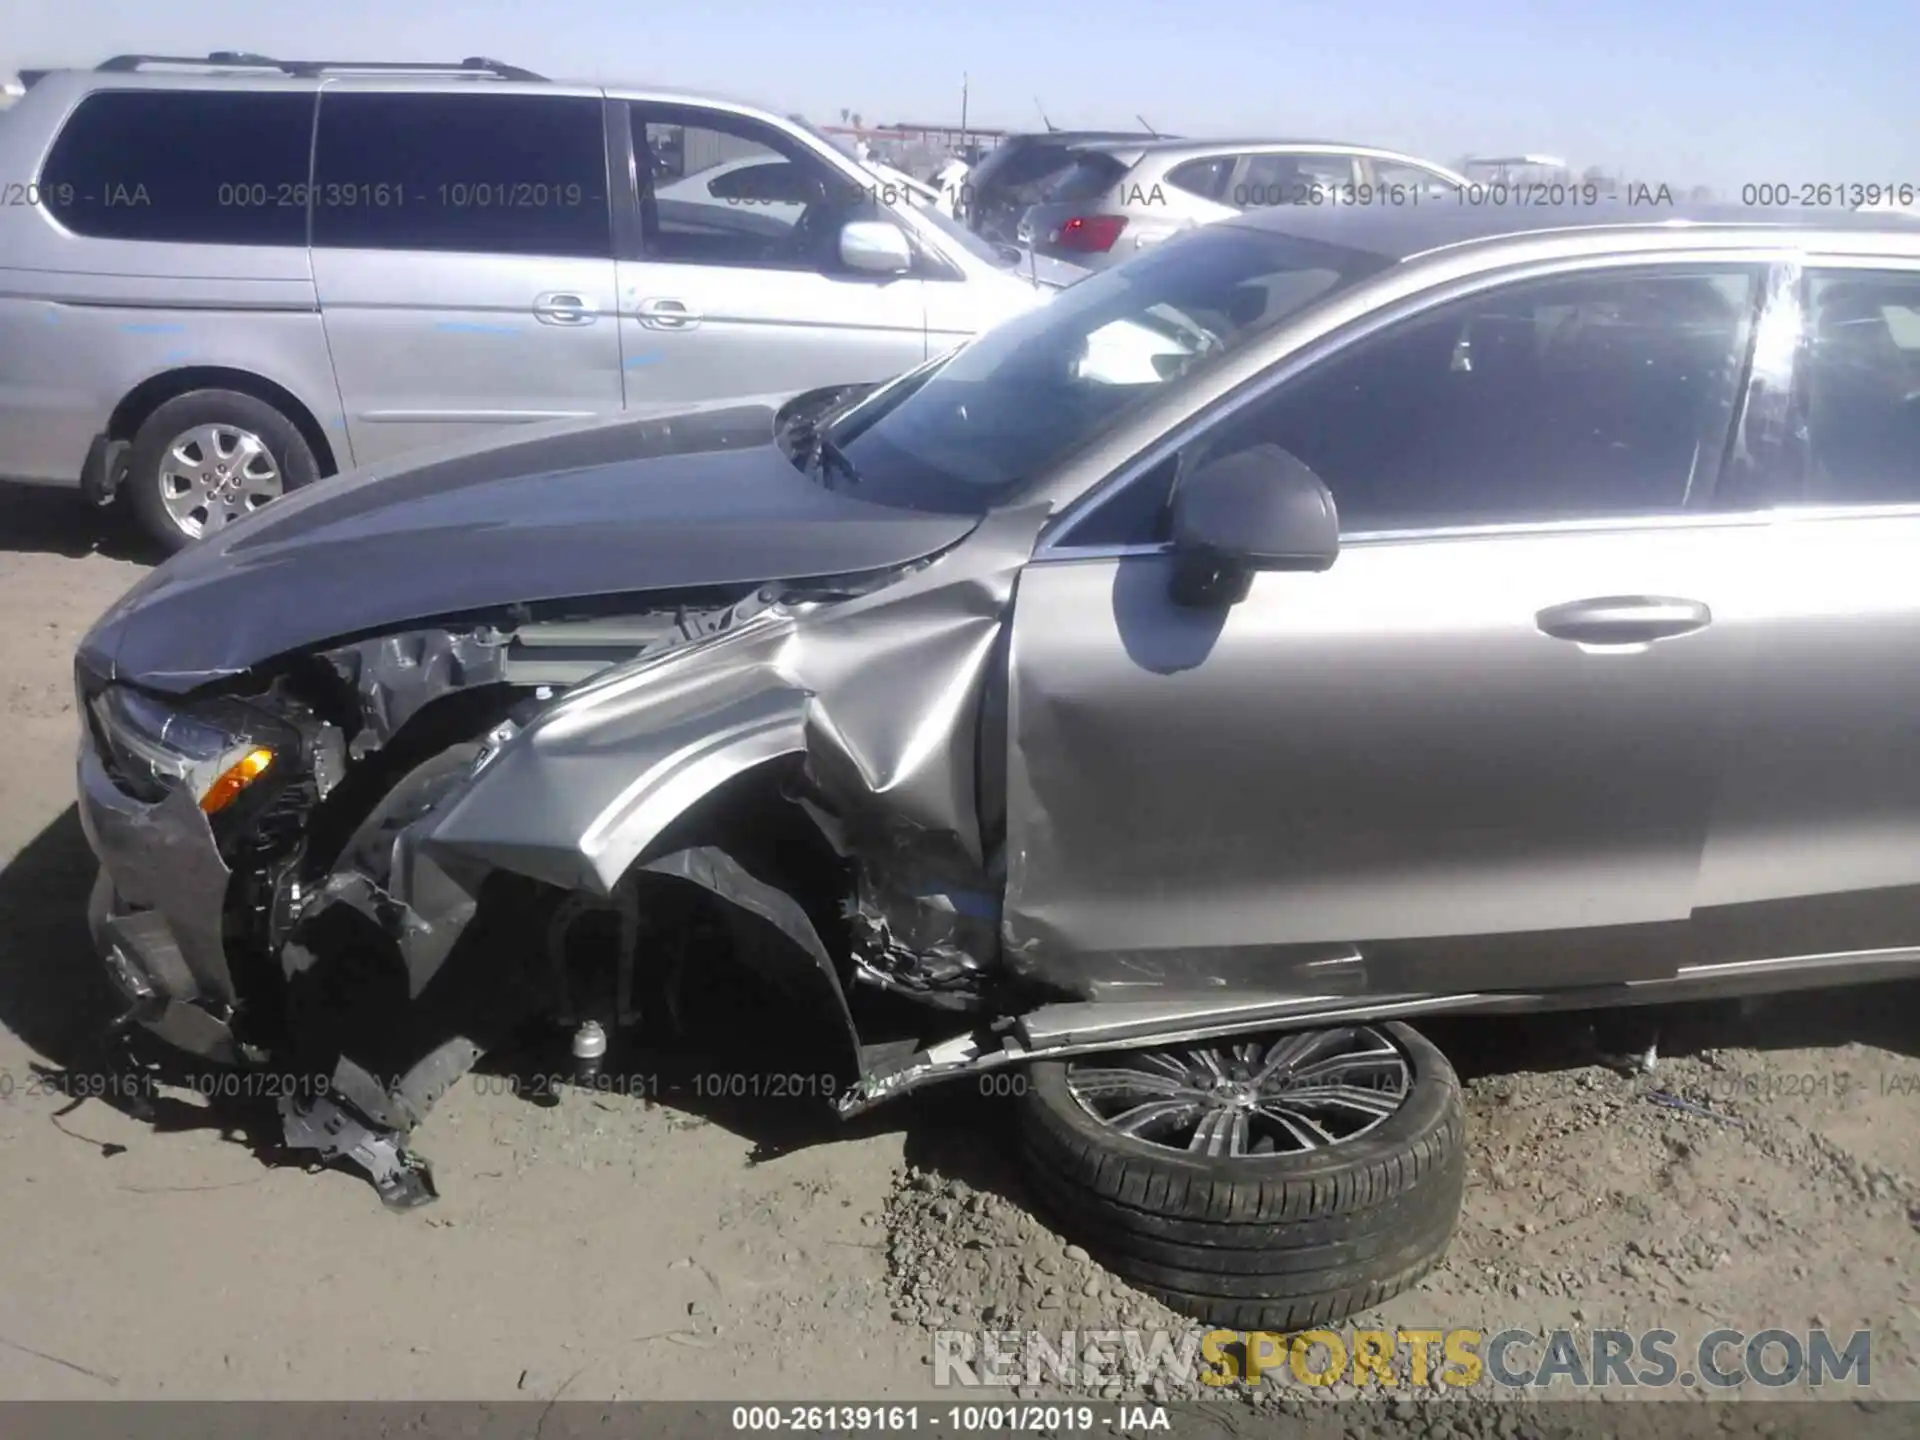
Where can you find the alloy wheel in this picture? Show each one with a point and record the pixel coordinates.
(1304, 1090)
(212, 475)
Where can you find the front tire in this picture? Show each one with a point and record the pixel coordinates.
(206, 459)
(1239, 1184)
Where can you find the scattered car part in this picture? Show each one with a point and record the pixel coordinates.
(403, 1180)
(1264, 1185)
(589, 1051)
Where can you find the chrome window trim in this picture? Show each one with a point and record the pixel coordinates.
(1525, 529)
(1058, 535)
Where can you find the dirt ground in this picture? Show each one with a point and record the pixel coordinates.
(675, 1246)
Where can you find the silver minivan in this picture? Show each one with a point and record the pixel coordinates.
(223, 278)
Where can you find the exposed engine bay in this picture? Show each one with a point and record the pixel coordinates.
(402, 886)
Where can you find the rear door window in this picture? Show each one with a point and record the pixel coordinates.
(211, 167)
(480, 173)
(1206, 178)
(1859, 384)
(1292, 179)
(1415, 178)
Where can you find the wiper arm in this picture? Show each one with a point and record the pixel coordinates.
(831, 457)
(813, 450)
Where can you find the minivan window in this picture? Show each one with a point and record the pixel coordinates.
(486, 174)
(216, 167)
(1004, 408)
(718, 189)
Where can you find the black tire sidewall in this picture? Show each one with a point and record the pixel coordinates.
(1432, 1098)
(291, 453)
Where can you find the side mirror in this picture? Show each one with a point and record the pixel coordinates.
(1257, 509)
(874, 247)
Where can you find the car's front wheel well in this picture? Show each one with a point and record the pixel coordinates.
(150, 394)
(452, 719)
(755, 818)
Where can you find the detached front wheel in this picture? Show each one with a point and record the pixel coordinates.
(1265, 1184)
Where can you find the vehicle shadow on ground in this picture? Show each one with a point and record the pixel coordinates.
(55, 997)
(744, 1059)
(49, 520)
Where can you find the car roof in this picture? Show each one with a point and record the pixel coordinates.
(1401, 232)
(1235, 142)
(1135, 151)
(1074, 137)
(426, 81)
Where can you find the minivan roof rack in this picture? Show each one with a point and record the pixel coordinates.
(242, 60)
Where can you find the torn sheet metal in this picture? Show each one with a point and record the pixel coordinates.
(936, 945)
(878, 692)
(163, 861)
(720, 874)
(402, 1180)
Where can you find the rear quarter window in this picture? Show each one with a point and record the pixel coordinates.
(213, 167)
(1204, 178)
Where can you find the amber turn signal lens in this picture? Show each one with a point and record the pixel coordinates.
(235, 778)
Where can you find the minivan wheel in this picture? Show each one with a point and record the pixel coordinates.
(1265, 1184)
(205, 459)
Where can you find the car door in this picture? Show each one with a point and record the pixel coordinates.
(462, 251)
(1815, 846)
(1480, 751)
(733, 285)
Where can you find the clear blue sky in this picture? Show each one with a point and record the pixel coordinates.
(1696, 91)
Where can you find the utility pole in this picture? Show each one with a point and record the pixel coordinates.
(963, 112)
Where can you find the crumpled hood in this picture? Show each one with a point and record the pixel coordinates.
(562, 512)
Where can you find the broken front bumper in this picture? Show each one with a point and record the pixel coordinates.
(155, 912)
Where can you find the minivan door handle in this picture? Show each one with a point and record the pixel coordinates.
(666, 314)
(559, 307)
(1623, 619)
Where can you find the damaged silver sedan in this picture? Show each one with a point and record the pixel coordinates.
(1323, 620)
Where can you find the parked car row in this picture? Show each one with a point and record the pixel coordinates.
(232, 281)
(1101, 196)
(1331, 616)
(1537, 590)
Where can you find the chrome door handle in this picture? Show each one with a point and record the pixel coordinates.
(558, 307)
(666, 315)
(1623, 619)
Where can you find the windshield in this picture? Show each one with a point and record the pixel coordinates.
(971, 431)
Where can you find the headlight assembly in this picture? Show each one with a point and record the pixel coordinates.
(155, 750)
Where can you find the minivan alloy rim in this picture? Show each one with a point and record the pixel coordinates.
(1305, 1090)
(212, 475)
